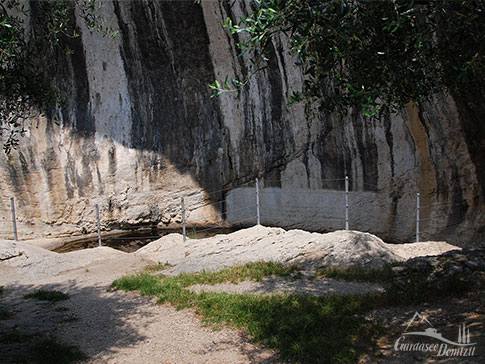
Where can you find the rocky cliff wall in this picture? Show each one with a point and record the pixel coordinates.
(139, 131)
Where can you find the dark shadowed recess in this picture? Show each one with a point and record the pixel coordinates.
(472, 115)
(68, 67)
(168, 74)
(168, 66)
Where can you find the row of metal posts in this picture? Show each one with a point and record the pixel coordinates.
(14, 221)
(347, 207)
(258, 216)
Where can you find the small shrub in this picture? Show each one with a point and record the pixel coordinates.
(51, 296)
(51, 351)
(419, 288)
(358, 273)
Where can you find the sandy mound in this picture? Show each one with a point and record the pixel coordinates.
(36, 263)
(412, 250)
(258, 243)
(345, 248)
(169, 249)
(339, 248)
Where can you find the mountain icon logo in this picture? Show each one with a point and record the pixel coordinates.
(430, 331)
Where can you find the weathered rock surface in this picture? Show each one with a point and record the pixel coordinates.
(467, 265)
(32, 262)
(139, 132)
(313, 250)
(9, 250)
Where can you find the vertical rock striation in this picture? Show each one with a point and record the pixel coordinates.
(138, 131)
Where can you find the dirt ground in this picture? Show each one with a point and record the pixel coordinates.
(445, 316)
(118, 327)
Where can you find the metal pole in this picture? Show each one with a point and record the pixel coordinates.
(417, 218)
(183, 220)
(99, 225)
(346, 203)
(14, 219)
(257, 203)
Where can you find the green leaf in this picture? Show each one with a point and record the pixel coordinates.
(216, 94)
(236, 83)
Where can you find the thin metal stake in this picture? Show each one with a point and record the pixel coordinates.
(257, 203)
(183, 220)
(99, 225)
(346, 203)
(417, 217)
(14, 219)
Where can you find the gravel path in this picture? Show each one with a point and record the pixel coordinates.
(118, 327)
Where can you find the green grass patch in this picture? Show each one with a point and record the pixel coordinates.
(1, 290)
(51, 351)
(358, 273)
(51, 296)
(252, 271)
(304, 329)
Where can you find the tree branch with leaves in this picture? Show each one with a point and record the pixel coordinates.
(377, 55)
(26, 86)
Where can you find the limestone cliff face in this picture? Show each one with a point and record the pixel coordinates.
(139, 131)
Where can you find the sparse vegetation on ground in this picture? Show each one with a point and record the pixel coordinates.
(157, 267)
(51, 296)
(331, 329)
(418, 290)
(358, 273)
(52, 351)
